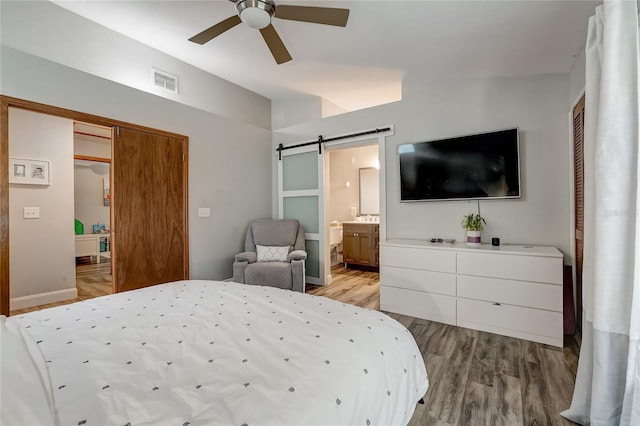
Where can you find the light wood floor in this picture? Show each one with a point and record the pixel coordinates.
(475, 378)
(92, 280)
(361, 288)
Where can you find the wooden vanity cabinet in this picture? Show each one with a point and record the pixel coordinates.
(360, 244)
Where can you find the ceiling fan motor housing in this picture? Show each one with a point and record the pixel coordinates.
(256, 14)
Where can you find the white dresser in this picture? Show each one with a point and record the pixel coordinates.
(512, 290)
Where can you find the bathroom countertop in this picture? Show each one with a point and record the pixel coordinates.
(361, 221)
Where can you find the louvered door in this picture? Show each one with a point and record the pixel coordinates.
(578, 144)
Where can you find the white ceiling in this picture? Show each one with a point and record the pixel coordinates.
(384, 44)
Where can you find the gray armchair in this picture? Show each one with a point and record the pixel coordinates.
(279, 261)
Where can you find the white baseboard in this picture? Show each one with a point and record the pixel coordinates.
(42, 298)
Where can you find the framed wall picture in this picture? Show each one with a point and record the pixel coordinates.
(29, 172)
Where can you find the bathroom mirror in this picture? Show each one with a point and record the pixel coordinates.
(369, 191)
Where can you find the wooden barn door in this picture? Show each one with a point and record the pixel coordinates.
(578, 146)
(149, 195)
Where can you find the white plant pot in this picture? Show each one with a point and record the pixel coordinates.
(473, 238)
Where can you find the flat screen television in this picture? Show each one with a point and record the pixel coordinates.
(467, 167)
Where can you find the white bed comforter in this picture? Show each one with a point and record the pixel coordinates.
(208, 352)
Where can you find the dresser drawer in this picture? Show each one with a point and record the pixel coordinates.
(520, 293)
(525, 323)
(419, 280)
(525, 268)
(430, 306)
(418, 258)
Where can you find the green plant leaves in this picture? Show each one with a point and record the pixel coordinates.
(473, 222)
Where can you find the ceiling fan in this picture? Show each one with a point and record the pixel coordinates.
(258, 14)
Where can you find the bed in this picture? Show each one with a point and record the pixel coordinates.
(209, 352)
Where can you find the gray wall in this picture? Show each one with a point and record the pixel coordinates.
(229, 161)
(439, 109)
(345, 165)
(577, 77)
(48, 31)
(42, 250)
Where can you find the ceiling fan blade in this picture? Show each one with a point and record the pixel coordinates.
(216, 30)
(315, 15)
(275, 44)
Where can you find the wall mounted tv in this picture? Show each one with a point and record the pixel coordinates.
(467, 167)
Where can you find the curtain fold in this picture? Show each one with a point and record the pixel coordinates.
(606, 390)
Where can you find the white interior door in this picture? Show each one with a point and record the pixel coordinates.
(300, 196)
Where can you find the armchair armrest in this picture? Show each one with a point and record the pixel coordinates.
(297, 255)
(247, 256)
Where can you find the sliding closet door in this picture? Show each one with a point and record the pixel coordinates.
(149, 193)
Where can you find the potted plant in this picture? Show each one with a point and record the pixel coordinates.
(473, 223)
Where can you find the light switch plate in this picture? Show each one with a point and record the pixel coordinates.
(204, 212)
(31, 213)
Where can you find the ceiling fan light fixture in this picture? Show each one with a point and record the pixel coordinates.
(256, 14)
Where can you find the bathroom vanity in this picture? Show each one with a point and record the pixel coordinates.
(360, 241)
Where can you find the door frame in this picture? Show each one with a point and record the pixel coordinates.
(355, 142)
(343, 141)
(7, 102)
(105, 161)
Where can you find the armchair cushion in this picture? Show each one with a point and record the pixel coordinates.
(272, 253)
(273, 274)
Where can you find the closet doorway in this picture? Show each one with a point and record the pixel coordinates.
(148, 197)
(92, 145)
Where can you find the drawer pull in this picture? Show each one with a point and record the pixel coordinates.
(496, 304)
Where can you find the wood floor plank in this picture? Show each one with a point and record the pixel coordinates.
(536, 405)
(483, 364)
(507, 401)
(433, 338)
(508, 352)
(424, 412)
(558, 377)
(455, 375)
(475, 405)
(352, 286)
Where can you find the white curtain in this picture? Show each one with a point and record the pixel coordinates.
(607, 390)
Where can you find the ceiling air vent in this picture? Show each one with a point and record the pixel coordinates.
(165, 80)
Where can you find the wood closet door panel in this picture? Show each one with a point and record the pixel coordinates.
(149, 196)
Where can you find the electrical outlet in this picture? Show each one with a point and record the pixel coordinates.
(31, 213)
(204, 212)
